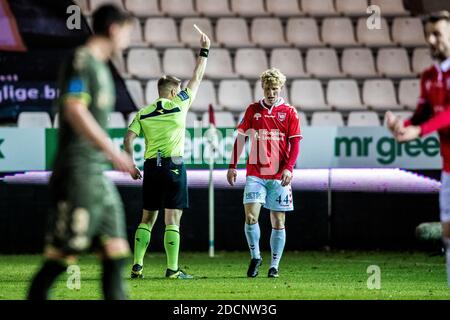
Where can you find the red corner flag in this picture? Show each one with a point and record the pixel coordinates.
(212, 119)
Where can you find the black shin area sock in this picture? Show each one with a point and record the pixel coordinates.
(112, 280)
(44, 279)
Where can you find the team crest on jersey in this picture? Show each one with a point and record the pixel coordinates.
(257, 116)
(281, 116)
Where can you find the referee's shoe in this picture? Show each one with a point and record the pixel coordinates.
(179, 274)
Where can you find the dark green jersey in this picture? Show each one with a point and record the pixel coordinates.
(87, 79)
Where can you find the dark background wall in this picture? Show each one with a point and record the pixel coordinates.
(357, 221)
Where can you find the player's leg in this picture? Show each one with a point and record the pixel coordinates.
(175, 200)
(444, 201)
(277, 241)
(141, 241)
(279, 201)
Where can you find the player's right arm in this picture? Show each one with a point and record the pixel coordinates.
(76, 113)
(200, 67)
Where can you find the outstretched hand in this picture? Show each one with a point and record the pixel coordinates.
(205, 42)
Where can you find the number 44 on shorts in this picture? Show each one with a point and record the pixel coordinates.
(286, 201)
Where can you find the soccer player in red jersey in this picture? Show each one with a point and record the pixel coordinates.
(273, 128)
(433, 111)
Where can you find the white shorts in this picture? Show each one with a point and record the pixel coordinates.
(444, 197)
(270, 193)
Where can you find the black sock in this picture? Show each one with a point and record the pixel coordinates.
(112, 281)
(44, 279)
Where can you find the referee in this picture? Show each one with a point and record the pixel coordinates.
(163, 125)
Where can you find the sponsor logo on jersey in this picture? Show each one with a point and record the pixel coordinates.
(257, 116)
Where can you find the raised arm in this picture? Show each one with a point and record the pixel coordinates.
(200, 67)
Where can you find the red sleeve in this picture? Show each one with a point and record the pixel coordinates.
(293, 153)
(246, 121)
(438, 122)
(423, 109)
(239, 144)
(294, 125)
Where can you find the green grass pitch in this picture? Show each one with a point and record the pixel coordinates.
(303, 275)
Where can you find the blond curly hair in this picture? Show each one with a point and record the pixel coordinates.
(273, 77)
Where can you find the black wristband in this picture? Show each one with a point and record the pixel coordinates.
(204, 52)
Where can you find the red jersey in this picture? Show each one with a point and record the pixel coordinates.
(433, 109)
(269, 130)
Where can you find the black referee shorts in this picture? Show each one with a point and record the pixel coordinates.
(165, 185)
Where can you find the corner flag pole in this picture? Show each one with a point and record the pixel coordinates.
(212, 150)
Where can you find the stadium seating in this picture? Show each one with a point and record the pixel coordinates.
(249, 63)
(373, 37)
(233, 33)
(213, 8)
(327, 119)
(135, 89)
(161, 33)
(272, 35)
(421, 60)
(391, 7)
(303, 32)
(116, 120)
(178, 8)
(363, 119)
(344, 95)
(308, 95)
(380, 94)
(409, 92)
(338, 32)
(318, 7)
(303, 119)
(143, 8)
(393, 63)
(94, 4)
(151, 91)
(223, 119)
(288, 61)
(144, 63)
(84, 6)
(408, 32)
(190, 36)
(220, 65)
(323, 63)
(34, 119)
(283, 8)
(137, 39)
(179, 63)
(358, 63)
(352, 7)
(235, 95)
(206, 95)
(248, 8)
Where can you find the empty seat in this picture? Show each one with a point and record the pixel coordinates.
(409, 92)
(219, 65)
(338, 32)
(380, 94)
(190, 36)
(206, 95)
(192, 120)
(131, 117)
(119, 62)
(363, 119)
(289, 61)
(322, 63)
(373, 37)
(233, 32)
(179, 63)
(235, 94)
(391, 7)
(303, 119)
(327, 119)
(250, 63)
(344, 95)
(223, 119)
(135, 89)
(136, 36)
(84, 6)
(352, 7)
(308, 94)
(258, 92)
(116, 120)
(178, 8)
(393, 62)
(318, 7)
(94, 4)
(408, 32)
(248, 8)
(283, 8)
(402, 114)
(358, 63)
(421, 60)
(213, 8)
(151, 91)
(143, 8)
(161, 32)
(303, 32)
(272, 36)
(34, 119)
(144, 63)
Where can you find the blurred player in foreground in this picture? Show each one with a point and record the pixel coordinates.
(163, 125)
(87, 208)
(273, 128)
(433, 111)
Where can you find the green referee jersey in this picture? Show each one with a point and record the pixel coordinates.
(163, 125)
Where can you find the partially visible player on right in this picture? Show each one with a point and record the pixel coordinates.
(433, 111)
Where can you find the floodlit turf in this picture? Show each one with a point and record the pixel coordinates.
(303, 275)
